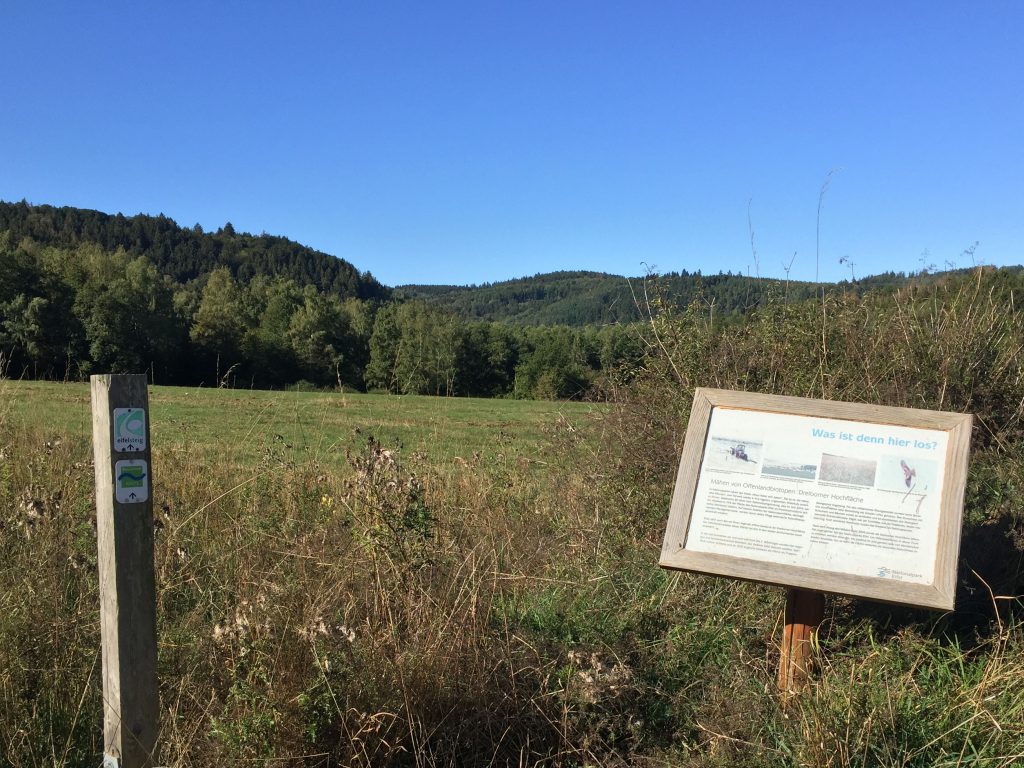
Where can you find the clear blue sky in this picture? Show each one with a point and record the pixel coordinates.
(480, 141)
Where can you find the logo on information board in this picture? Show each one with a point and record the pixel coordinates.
(131, 481)
(129, 429)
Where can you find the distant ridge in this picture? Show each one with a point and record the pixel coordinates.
(596, 298)
(556, 298)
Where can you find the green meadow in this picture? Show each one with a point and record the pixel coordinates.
(236, 425)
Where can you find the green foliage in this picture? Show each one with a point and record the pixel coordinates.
(594, 298)
(317, 332)
(187, 254)
(417, 348)
(221, 319)
(268, 353)
(558, 298)
(37, 327)
(414, 350)
(488, 357)
(555, 365)
(249, 721)
(127, 310)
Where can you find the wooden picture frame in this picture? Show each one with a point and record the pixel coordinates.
(831, 524)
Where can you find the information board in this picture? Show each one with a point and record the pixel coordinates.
(839, 497)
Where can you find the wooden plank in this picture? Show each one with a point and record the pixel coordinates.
(804, 612)
(124, 526)
(686, 478)
(882, 590)
(940, 594)
(834, 409)
(948, 553)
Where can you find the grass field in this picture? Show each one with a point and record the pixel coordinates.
(236, 425)
(370, 513)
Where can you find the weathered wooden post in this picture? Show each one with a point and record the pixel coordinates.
(804, 611)
(124, 527)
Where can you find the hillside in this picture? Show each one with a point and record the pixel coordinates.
(572, 298)
(597, 298)
(185, 254)
(557, 298)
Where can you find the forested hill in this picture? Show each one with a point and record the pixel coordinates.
(557, 298)
(597, 298)
(576, 298)
(187, 253)
(84, 292)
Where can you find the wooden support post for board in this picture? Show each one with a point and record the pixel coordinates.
(804, 611)
(124, 527)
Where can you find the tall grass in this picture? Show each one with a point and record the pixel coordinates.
(360, 605)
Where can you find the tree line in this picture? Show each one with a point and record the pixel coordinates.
(66, 312)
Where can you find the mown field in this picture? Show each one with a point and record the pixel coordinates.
(351, 580)
(237, 424)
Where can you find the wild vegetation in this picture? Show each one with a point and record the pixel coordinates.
(353, 601)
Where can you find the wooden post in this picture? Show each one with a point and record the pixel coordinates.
(124, 527)
(804, 611)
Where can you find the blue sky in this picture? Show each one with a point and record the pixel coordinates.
(480, 141)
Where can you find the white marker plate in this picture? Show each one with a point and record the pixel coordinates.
(129, 430)
(131, 481)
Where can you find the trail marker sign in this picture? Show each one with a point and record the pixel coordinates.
(131, 481)
(129, 429)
